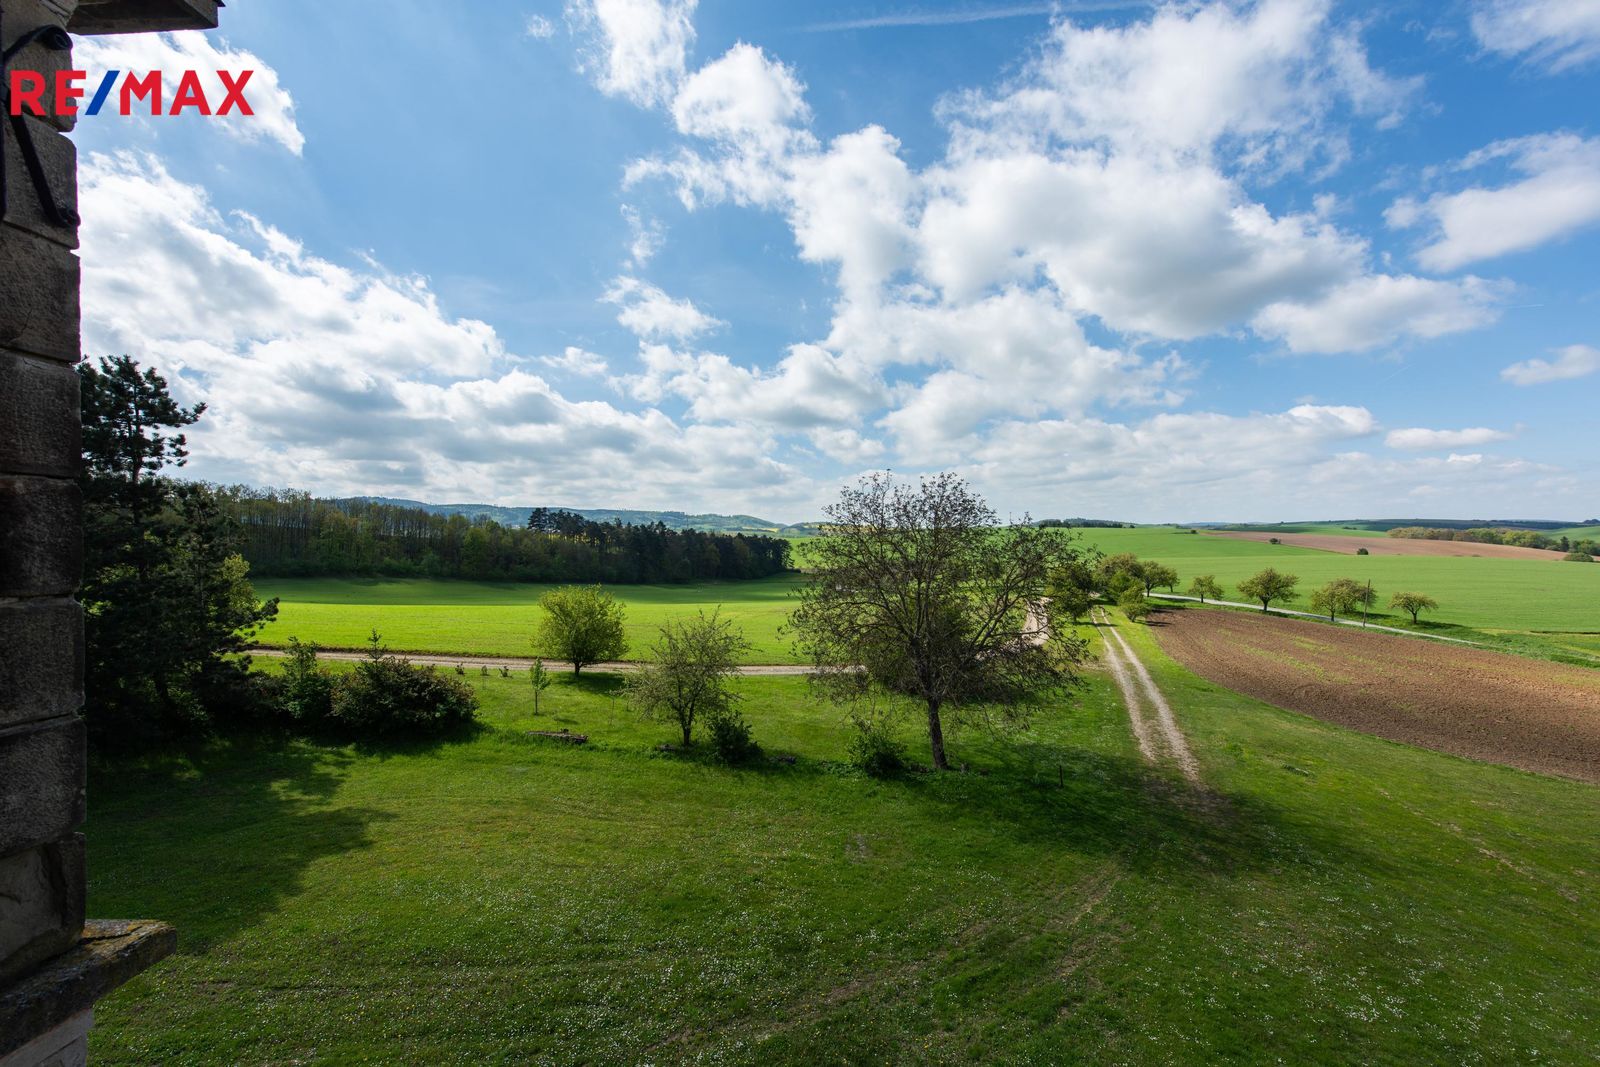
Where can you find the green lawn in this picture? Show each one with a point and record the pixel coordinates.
(509, 900)
(499, 618)
(1489, 594)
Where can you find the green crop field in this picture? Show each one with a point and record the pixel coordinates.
(498, 618)
(507, 899)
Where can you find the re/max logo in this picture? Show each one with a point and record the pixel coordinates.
(28, 88)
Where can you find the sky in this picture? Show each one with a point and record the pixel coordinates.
(1193, 261)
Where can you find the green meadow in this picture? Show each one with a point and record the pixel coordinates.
(1329, 897)
(499, 618)
(1492, 596)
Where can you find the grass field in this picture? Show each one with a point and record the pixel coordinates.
(503, 899)
(1495, 596)
(498, 619)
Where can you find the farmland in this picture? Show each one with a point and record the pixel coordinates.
(498, 619)
(1342, 899)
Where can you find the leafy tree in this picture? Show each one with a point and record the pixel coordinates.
(917, 590)
(1205, 586)
(1269, 587)
(1072, 589)
(1414, 604)
(168, 603)
(1157, 576)
(688, 677)
(582, 624)
(541, 681)
(1341, 596)
(1134, 604)
(1111, 572)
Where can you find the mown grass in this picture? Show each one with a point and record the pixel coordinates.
(504, 899)
(500, 618)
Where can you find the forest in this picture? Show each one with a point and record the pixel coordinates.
(293, 534)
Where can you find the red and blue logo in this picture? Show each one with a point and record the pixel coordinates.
(27, 90)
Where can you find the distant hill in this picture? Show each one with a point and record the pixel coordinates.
(675, 520)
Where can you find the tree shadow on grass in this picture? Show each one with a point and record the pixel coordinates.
(214, 836)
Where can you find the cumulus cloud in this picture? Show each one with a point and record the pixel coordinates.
(346, 380)
(174, 53)
(1558, 194)
(1377, 309)
(651, 314)
(1423, 440)
(1560, 34)
(1574, 361)
(636, 49)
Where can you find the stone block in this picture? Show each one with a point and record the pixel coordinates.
(41, 553)
(41, 660)
(42, 770)
(39, 278)
(39, 421)
(41, 904)
(22, 16)
(58, 157)
(143, 16)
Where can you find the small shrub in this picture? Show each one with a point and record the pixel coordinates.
(305, 690)
(484, 670)
(873, 750)
(1274, 541)
(389, 696)
(1362, 552)
(1134, 604)
(1578, 557)
(730, 738)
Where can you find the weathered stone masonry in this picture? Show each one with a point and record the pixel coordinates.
(52, 965)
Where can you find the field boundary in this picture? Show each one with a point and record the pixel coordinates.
(434, 659)
(1319, 618)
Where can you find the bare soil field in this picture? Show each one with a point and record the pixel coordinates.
(1525, 713)
(1391, 546)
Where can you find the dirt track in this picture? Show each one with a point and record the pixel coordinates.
(1525, 713)
(1391, 546)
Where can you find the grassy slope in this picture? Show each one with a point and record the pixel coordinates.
(510, 900)
(498, 619)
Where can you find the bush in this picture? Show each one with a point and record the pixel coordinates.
(1578, 557)
(1134, 604)
(304, 690)
(1362, 552)
(730, 737)
(873, 750)
(389, 696)
(1274, 541)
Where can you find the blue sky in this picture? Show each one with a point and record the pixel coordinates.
(1194, 261)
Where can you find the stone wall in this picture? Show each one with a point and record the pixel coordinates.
(41, 625)
(53, 965)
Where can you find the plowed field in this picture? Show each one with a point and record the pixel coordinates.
(1392, 546)
(1525, 713)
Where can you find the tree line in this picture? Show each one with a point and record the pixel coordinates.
(294, 534)
(1486, 535)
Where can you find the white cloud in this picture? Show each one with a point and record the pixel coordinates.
(1574, 361)
(741, 96)
(645, 237)
(346, 380)
(1561, 34)
(174, 53)
(579, 361)
(539, 28)
(637, 49)
(1419, 439)
(1378, 309)
(653, 315)
(1559, 195)
(1260, 84)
